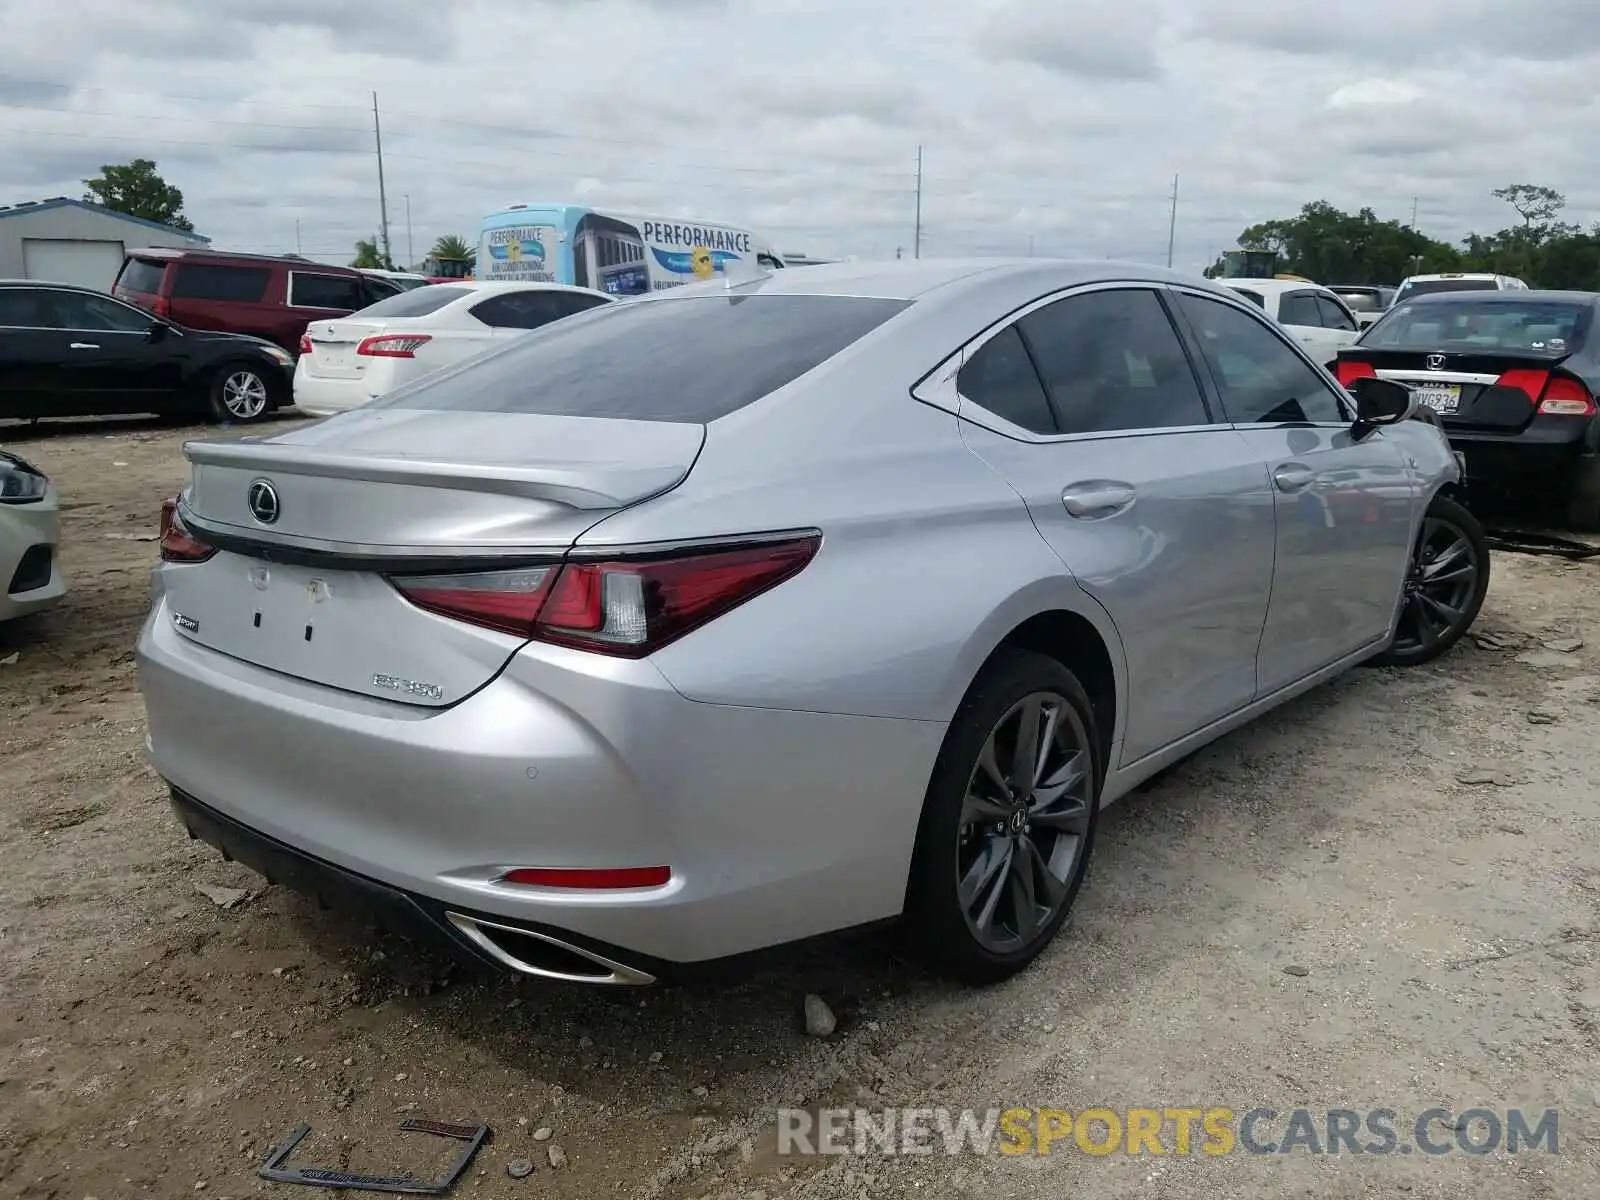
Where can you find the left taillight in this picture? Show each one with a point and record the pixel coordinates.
(305, 343)
(392, 345)
(178, 545)
(1349, 370)
(624, 607)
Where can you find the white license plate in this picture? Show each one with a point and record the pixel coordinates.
(1441, 397)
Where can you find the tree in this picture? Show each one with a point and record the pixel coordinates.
(1537, 206)
(136, 189)
(368, 255)
(1332, 246)
(451, 246)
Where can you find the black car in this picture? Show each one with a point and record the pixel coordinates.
(1513, 376)
(69, 351)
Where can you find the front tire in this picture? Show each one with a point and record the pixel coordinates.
(1008, 823)
(1445, 585)
(239, 394)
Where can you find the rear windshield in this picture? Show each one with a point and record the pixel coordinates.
(1518, 326)
(418, 302)
(207, 281)
(1254, 297)
(691, 359)
(1361, 301)
(1427, 287)
(142, 275)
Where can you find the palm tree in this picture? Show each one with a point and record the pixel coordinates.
(451, 246)
(368, 254)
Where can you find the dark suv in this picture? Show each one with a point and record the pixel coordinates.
(261, 295)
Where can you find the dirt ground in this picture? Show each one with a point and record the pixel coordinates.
(1419, 847)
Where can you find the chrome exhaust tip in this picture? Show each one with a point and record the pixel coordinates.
(529, 952)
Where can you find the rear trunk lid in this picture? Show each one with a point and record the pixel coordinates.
(1491, 392)
(299, 585)
(333, 347)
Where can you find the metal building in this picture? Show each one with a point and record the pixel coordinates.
(74, 241)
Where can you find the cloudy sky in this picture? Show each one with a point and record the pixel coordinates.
(1050, 125)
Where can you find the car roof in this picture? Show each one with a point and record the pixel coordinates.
(1505, 296)
(292, 261)
(1274, 285)
(911, 279)
(1455, 275)
(51, 283)
(516, 285)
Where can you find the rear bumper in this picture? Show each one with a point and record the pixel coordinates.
(1541, 458)
(777, 825)
(319, 397)
(30, 534)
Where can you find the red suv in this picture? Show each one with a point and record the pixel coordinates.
(262, 295)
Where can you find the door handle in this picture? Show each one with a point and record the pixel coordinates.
(1294, 477)
(1097, 498)
(84, 346)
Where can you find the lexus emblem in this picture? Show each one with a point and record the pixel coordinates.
(263, 501)
(1435, 362)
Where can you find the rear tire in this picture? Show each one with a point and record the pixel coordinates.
(1445, 585)
(239, 393)
(1583, 500)
(1008, 823)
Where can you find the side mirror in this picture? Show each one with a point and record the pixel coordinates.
(1380, 401)
(158, 332)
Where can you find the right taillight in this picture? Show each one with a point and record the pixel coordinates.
(1350, 370)
(162, 307)
(178, 545)
(625, 607)
(1567, 397)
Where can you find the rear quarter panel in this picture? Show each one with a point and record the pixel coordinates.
(929, 559)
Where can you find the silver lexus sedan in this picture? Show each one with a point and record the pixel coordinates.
(749, 612)
(30, 530)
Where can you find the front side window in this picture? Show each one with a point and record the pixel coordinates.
(78, 310)
(1261, 378)
(1334, 315)
(1111, 360)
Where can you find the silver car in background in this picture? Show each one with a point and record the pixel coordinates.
(750, 612)
(30, 533)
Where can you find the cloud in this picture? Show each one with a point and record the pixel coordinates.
(1052, 126)
(1099, 42)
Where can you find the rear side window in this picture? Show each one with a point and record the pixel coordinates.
(418, 302)
(1510, 325)
(208, 281)
(523, 310)
(691, 359)
(340, 292)
(1112, 361)
(143, 276)
(1000, 378)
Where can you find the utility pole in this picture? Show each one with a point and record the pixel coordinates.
(383, 199)
(1413, 213)
(916, 244)
(1030, 245)
(297, 235)
(1172, 225)
(411, 250)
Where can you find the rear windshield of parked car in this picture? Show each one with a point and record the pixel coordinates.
(1428, 287)
(1490, 325)
(418, 302)
(142, 275)
(690, 359)
(1361, 301)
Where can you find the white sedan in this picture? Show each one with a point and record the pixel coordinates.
(346, 362)
(30, 530)
(1313, 315)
